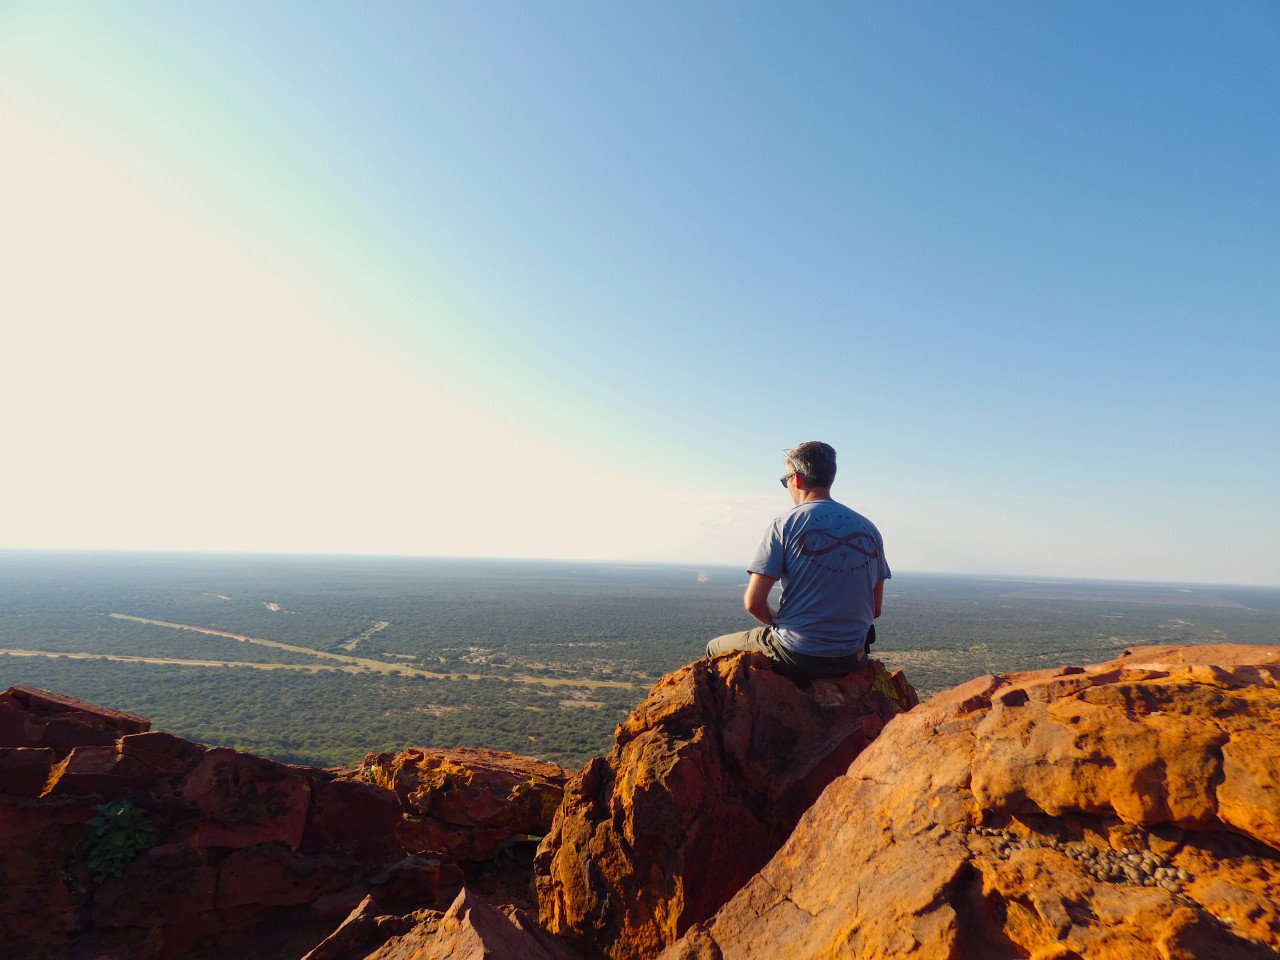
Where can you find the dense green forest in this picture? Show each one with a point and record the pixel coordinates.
(503, 620)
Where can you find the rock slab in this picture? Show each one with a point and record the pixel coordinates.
(1125, 810)
(705, 781)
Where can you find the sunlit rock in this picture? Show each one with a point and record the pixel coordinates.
(705, 781)
(1127, 809)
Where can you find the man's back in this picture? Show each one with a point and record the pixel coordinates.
(829, 559)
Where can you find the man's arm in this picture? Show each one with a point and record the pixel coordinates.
(756, 599)
(879, 596)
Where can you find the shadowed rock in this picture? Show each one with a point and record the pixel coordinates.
(355, 937)
(24, 770)
(38, 718)
(468, 803)
(471, 929)
(705, 781)
(1128, 809)
(211, 849)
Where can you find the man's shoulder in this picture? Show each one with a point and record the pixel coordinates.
(829, 510)
(826, 508)
(822, 513)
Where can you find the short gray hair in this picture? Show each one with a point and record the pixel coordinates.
(813, 460)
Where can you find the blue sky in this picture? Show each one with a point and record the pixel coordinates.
(1018, 263)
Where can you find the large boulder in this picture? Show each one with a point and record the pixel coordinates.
(705, 781)
(468, 803)
(1125, 810)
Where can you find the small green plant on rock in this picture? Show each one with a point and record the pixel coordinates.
(118, 833)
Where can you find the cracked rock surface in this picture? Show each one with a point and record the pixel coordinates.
(706, 780)
(1126, 809)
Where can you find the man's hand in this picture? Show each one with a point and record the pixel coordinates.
(879, 596)
(756, 599)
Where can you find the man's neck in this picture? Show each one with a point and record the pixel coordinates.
(818, 493)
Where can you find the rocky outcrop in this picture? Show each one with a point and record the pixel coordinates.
(118, 840)
(705, 782)
(471, 929)
(1128, 809)
(468, 803)
(38, 718)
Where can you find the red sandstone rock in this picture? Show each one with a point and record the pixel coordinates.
(356, 936)
(270, 874)
(37, 718)
(355, 818)
(246, 800)
(468, 803)
(161, 752)
(245, 844)
(40, 902)
(24, 770)
(413, 883)
(706, 780)
(133, 762)
(98, 770)
(168, 885)
(472, 929)
(1124, 810)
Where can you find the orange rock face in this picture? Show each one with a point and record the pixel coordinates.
(468, 803)
(705, 781)
(1128, 809)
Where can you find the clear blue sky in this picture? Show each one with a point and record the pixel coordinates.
(1019, 263)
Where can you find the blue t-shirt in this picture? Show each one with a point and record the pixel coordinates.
(829, 560)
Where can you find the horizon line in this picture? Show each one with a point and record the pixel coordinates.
(1011, 576)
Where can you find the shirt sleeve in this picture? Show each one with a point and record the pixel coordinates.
(770, 559)
(885, 572)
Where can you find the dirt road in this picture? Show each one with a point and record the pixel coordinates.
(359, 664)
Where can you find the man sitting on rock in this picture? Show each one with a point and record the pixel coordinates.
(831, 564)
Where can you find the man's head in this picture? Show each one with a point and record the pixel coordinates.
(814, 462)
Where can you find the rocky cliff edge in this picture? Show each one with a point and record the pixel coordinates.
(1129, 809)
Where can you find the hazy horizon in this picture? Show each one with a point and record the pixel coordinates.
(691, 565)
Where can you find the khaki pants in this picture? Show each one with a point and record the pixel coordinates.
(786, 662)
